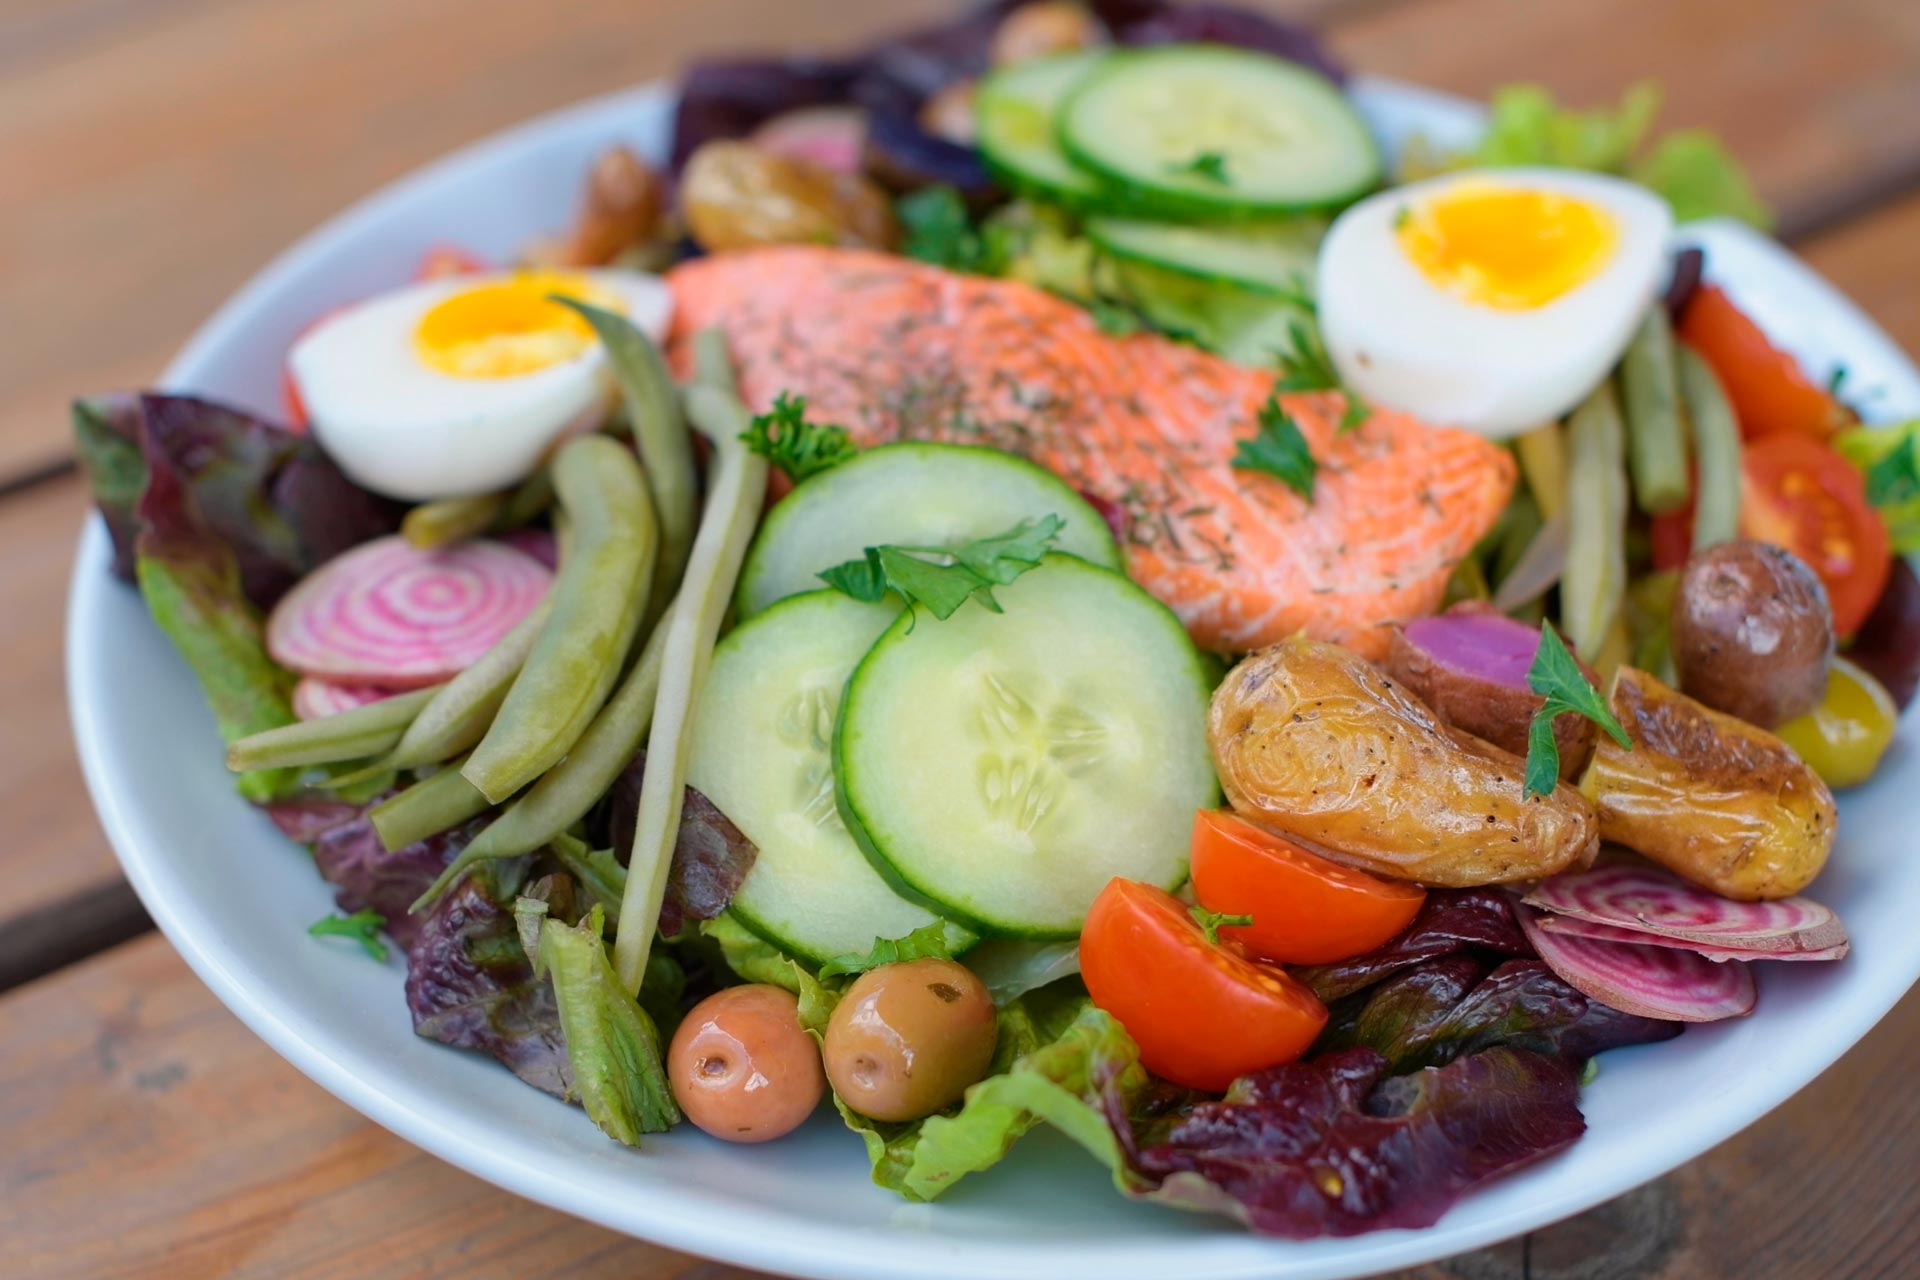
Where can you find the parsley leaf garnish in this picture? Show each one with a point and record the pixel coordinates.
(1894, 478)
(1308, 367)
(800, 448)
(938, 230)
(1211, 165)
(1210, 922)
(967, 570)
(1556, 677)
(929, 941)
(1279, 450)
(362, 926)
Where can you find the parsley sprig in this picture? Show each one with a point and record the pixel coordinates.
(362, 926)
(1556, 677)
(1308, 367)
(1211, 165)
(953, 575)
(798, 447)
(1279, 449)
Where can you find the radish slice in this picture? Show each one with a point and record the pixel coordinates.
(387, 613)
(1653, 982)
(832, 137)
(316, 699)
(1655, 901)
(1575, 928)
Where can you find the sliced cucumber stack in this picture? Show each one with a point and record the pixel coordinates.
(1211, 131)
(1005, 766)
(1275, 259)
(1014, 126)
(761, 752)
(910, 494)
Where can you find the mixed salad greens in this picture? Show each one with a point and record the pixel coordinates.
(726, 708)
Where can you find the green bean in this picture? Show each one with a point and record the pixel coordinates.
(1543, 461)
(349, 735)
(434, 804)
(435, 524)
(527, 503)
(565, 792)
(1656, 434)
(726, 526)
(666, 450)
(1596, 573)
(712, 366)
(464, 709)
(1716, 443)
(598, 597)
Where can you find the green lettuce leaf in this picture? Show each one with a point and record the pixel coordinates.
(1889, 457)
(612, 1044)
(929, 941)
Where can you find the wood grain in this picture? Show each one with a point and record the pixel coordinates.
(60, 891)
(151, 1135)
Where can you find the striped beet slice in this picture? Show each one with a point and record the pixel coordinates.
(316, 699)
(387, 613)
(1652, 900)
(1577, 928)
(1653, 982)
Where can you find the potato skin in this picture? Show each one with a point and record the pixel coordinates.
(1752, 632)
(1709, 796)
(1495, 712)
(1310, 740)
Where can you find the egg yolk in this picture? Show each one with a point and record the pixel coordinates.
(1513, 248)
(509, 327)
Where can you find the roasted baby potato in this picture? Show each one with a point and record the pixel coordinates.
(1707, 795)
(1470, 665)
(734, 195)
(1312, 741)
(1752, 632)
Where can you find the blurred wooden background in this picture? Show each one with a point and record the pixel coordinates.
(155, 153)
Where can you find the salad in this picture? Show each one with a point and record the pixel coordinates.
(1032, 575)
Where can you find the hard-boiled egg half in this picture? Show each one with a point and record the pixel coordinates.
(458, 386)
(1492, 299)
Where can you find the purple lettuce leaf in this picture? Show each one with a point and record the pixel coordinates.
(1325, 1148)
(732, 97)
(269, 496)
(711, 856)
(1445, 1009)
(365, 876)
(1451, 920)
(470, 985)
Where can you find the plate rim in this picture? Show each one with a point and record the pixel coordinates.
(799, 1247)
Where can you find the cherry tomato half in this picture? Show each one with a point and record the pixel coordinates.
(1306, 909)
(1801, 495)
(1202, 1013)
(1771, 393)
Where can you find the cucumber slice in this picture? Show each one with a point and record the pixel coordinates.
(1249, 327)
(1007, 765)
(1014, 126)
(1276, 260)
(909, 494)
(761, 752)
(1206, 130)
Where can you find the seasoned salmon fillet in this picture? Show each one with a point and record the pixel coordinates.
(898, 350)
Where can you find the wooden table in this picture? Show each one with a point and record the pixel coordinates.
(153, 153)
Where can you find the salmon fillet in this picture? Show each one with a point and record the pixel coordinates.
(898, 350)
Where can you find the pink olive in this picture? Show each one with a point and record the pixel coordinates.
(742, 1068)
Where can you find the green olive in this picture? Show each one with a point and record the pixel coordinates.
(908, 1038)
(741, 1066)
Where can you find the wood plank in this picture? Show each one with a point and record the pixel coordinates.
(63, 889)
(152, 1135)
(1816, 99)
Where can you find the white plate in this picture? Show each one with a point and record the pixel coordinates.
(235, 898)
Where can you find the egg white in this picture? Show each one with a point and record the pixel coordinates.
(410, 432)
(1404, 342)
